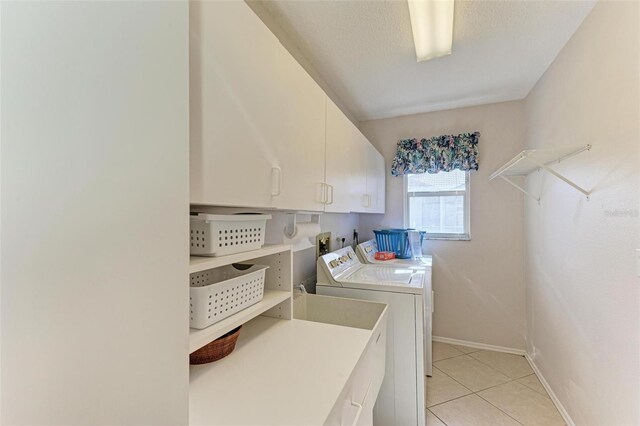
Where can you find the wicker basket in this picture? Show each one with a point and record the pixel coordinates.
(217, 349)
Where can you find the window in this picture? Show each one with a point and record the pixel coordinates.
(438, 204)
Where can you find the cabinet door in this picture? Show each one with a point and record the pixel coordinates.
(360, 156)
(369, 193)
(300, 147)
(234, 114)
(375, 181)
(339, 160)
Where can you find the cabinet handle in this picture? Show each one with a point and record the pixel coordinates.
(330, 187)
(360, 406)
(355, 420)
(278, 181)
(366, 203)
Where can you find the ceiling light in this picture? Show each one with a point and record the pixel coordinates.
(432, 24)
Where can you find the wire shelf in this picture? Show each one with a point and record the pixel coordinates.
(531, 160)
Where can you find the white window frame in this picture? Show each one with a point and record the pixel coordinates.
(466, 236)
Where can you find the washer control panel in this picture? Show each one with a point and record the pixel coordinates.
(340, 260)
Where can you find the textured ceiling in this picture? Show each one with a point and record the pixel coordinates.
(364, 51)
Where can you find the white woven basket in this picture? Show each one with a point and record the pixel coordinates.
(218, 293)
(219, 235)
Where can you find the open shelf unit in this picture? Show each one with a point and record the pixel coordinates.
(278, 290)
(199, 338)
(531, 160)
(199, 263)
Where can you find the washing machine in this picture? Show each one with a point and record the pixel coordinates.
(407, 292)
(367, 254)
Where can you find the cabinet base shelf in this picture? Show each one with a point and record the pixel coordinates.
(200, 263)
(199, 338)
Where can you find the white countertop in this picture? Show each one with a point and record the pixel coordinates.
(282, 372)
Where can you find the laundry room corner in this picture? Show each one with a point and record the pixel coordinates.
(475, 301)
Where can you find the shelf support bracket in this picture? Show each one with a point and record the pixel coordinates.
(559, 176)
(512, 183)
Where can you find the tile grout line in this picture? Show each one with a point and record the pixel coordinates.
(492, 368)
(443, 422)
(470, 391)
(479, 396)
(481, 362)
(514, 380)
(451, 400)
(481, 390)
(453, 380)
(500, 409)
(451, 357)
(488, 366)
(472, 352)
(546, 395)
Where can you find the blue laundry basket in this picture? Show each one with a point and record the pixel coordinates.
(395, 240)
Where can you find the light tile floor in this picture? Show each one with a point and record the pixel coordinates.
(473, 387)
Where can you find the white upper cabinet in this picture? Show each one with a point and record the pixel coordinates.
(359, 163)
(340, 149)
(234, 120)
(263, 133)
(300, 149)
(375, 181)
(369, 178)
(257, 118)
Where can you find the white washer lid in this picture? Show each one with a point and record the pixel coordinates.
(400, 279)
(424, 261)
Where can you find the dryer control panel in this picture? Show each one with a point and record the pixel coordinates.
(368, 250)
(340, 260)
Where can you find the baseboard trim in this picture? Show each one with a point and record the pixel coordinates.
(563, 412)
(479, 345)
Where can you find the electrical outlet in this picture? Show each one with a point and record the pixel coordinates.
(341, 242)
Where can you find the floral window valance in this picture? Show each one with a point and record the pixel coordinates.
(438, 154)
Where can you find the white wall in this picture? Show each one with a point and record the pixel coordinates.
(479, 284)
(583, 294)
(304, 261)
(94, 218)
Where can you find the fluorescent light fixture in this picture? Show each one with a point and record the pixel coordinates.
(432, 24)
